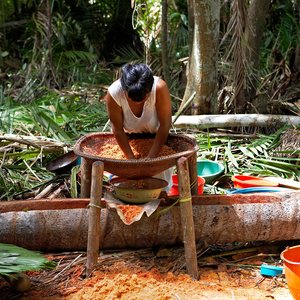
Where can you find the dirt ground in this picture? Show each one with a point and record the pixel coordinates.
(158, 274)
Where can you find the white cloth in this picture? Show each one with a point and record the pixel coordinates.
(148, 121)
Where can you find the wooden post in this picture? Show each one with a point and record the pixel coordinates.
(192, 160)
(187, 221)
(94, 217)
(86, 171)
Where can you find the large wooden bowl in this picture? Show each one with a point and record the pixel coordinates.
(183, 145)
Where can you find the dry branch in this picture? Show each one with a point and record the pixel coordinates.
(44, 192)
(34, 141)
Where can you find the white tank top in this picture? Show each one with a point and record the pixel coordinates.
(148, 121)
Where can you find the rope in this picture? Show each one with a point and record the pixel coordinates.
(182, 200)
(94, 205)
(187, 199)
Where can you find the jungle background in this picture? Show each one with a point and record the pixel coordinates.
(57, 59)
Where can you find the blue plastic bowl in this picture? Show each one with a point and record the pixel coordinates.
(257, 190)
(268, 270)
(209, 170)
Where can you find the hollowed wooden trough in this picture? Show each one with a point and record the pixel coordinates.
(62, 224)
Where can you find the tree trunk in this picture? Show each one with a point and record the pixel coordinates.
(164, 40)
(190, 7)
(202, 69)
(42, 51)
(257, 13)
(237, 25)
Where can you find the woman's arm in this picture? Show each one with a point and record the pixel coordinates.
(164, 114)
(115, 115)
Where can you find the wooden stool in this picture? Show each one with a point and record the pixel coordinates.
(187, 182)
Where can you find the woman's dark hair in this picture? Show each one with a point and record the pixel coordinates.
(137, 81)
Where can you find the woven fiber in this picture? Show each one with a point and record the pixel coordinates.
(182, 145)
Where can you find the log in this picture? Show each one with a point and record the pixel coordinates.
(237, 120)
(218, 219)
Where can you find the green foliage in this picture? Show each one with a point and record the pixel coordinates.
(146, 17)
(74, 184)
(282, 34)
(14, 259)
(62, 118)
(84, 32)
(22, 173)
(61, 54)
(255, 156)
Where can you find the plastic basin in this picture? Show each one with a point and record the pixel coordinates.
(291, 258)
(209, 170)
(262, 189)
(174, 191)
(244, 181)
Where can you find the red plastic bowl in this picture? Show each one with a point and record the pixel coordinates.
(243, 181)
(174, 189)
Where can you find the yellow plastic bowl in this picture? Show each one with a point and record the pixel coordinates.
(137, 191)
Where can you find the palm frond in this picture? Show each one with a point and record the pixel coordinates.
(253, 156)
(14, 259)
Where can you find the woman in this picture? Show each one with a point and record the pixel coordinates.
(139, 102)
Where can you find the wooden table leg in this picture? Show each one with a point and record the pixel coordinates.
(86, 172)
(192, 160)
(187, 221)
(93, 244)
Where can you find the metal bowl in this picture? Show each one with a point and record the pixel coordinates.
(63, 164)
(137, 191)
(135, 168)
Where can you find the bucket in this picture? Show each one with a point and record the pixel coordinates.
(174, 189)
(291, 258)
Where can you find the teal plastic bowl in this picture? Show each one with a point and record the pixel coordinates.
(209, 170)
(268, 270)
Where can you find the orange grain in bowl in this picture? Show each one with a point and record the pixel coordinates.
(244, 181)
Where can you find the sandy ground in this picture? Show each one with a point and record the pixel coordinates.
(156, 275)
(150, 285)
